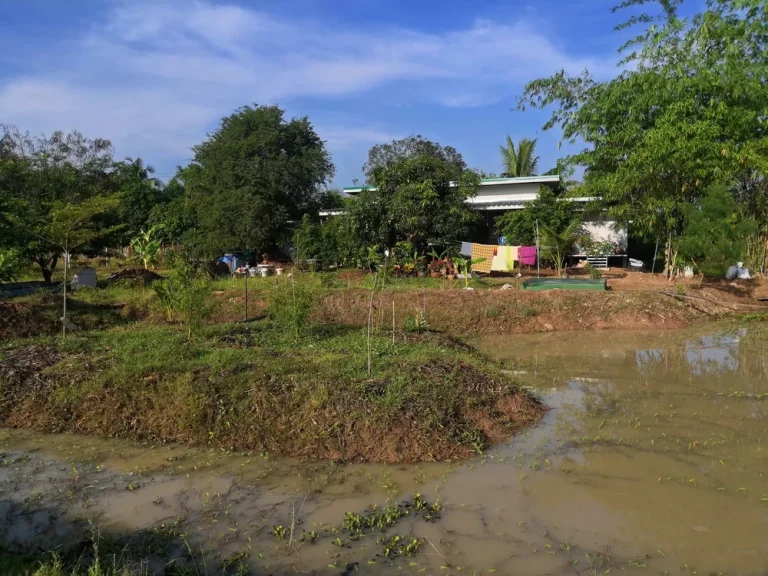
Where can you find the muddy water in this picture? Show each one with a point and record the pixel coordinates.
(653, 458)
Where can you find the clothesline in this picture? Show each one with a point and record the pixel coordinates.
(491, 257)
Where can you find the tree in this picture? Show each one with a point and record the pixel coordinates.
(383, 155)
(520, 161)
(173, 216)
(40, 175)
(140, 192)
(419, 195)
(518, 227)
(253, 176)
(555, 245)
(687, 111)
(72, 226)
(716, 231)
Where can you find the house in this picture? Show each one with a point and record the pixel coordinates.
(498, 195)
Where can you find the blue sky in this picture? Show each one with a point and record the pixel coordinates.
(155, 76)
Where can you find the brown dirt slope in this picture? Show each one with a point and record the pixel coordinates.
(514, 311)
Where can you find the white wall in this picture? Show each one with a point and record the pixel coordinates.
(505, 193)
(603, 230)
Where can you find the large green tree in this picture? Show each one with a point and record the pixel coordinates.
(519, 227)
(387, 154)
(419, 192)
(688, 110)
(520, 160)
(140, 192)
(39, 174)
(254, 176)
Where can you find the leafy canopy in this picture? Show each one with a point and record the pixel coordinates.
(419, 195)
(518, 227)
(252, 177)
(716, 231)
(688, 110)
(521, 160)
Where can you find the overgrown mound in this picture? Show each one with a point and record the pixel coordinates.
(253, 388)
(28, 319)
(140, 275)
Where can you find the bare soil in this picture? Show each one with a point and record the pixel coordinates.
(513, 311)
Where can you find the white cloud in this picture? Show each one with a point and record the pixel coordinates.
(156, 74)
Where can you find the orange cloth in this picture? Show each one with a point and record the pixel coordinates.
(484, 252)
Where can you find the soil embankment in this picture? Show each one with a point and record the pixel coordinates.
(463, 312)
(427, 397)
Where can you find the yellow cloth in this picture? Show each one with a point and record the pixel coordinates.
(505, 259)
(482, 252)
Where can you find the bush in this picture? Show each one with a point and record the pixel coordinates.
(10, 264)
(185, 293)
(289, 305)
(715, 232)
(594, 273)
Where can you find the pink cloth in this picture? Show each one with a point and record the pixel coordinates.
(527, 255)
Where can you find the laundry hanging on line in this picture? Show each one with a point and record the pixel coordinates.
(505, 258)
(528, 255)
(483, 255)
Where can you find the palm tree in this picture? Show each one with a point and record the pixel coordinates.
(555, 245)
(142, 170)
(520, 161)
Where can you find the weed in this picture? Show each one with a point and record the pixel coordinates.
(492, 311)
(279, 532)
(397, 545)
(289, 304)
(416, 322)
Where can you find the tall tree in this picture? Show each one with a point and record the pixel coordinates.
(41, 173)
(419, 195)
(139, 191)
(253, 176)
(518, 227)
(688, 110)
(72, 225)
(521, 160)
(383, 155)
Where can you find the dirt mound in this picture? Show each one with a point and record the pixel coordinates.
(27, 319)
(140, 274)
(20, 374)
(461, 312)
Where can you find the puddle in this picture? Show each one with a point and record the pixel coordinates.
(653, 458)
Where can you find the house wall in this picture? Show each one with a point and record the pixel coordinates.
(506, 192)
(605, 230)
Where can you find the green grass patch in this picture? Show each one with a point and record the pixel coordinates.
(257, 386)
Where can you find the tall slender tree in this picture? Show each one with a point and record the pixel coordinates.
(521, 160)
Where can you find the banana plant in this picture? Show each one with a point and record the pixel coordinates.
(146, 247)
(465, 266)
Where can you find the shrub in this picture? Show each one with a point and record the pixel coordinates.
(594, 273)
(289, 305)
(185, 293)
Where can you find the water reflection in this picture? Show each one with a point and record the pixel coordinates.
(652, 458)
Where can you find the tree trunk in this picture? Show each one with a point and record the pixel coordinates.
(47, 266)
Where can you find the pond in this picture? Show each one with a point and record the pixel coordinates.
(653, 458)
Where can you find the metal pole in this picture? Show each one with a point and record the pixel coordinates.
(64, 317)
(393, 320)
(246, 293)
(538, 251)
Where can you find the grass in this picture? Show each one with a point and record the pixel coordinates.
(256, 386)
